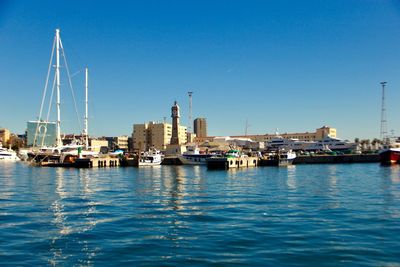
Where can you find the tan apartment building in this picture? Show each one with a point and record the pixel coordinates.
(319, 134)
(97, 144)
(122, 142)
(155, 134)
(4, 136)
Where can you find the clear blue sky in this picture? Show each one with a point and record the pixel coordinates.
(292, 65)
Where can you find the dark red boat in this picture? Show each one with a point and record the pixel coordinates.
(389, 156)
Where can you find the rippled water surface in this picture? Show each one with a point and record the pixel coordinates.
(306, 215)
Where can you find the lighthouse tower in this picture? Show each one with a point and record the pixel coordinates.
(176, 146)
(175, 124)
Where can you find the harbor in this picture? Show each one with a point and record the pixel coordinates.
(200, 133)
(155, 143)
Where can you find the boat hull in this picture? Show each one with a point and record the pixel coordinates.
(275, 162)
(9, 158)
(8, 154)
(194, 159)
(43, 157)
(278, 158)
(389, 156)
(144, 164)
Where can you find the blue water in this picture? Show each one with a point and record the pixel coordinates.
(304, 215)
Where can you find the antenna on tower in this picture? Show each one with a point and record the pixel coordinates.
(383, 134)
(190, 112)
(246, 127)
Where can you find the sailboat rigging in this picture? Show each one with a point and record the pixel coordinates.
(57, 151)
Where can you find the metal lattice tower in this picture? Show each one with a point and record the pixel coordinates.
(383, 134)
(190, 112)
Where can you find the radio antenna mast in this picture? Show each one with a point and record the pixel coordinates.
(383, 134)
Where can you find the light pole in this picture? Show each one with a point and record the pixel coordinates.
(190, 112)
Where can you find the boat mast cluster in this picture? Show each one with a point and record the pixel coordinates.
(58, 47)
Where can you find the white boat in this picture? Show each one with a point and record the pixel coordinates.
(279, 142)
(153, 157)
(279, 157)
(60, 155)
(192, 156)
(8, 154)
(333, 144)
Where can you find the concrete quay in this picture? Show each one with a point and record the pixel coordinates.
(221, 163)
(329, 159)
(102, 162)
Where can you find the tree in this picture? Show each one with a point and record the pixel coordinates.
(15, 142)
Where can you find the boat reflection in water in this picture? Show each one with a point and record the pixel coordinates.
(174, 215)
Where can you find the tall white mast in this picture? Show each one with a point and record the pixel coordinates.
(86, 107)
(58, 138)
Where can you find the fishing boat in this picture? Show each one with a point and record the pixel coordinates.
(233, 158)
(233, 153)
(280, 157)
(390, 153)
(192, 156)
(152, 157)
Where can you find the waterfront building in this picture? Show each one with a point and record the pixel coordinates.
(200, 127)
(4, 135)
(41, 133)
(155, 134)
(118, 142)
(130, 143)
(325, 131)
(122, 142)
(190, 137)
(99, 145)
(318, 135)
(68, 139)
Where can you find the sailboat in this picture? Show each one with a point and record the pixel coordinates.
(59, 154)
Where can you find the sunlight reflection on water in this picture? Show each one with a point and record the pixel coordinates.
(173, 215)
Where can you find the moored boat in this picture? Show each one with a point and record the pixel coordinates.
(192, 156)
(332, 144)
(231, 159)
(278, 158)
(390, 153)
(8, 154)
(153, 157)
